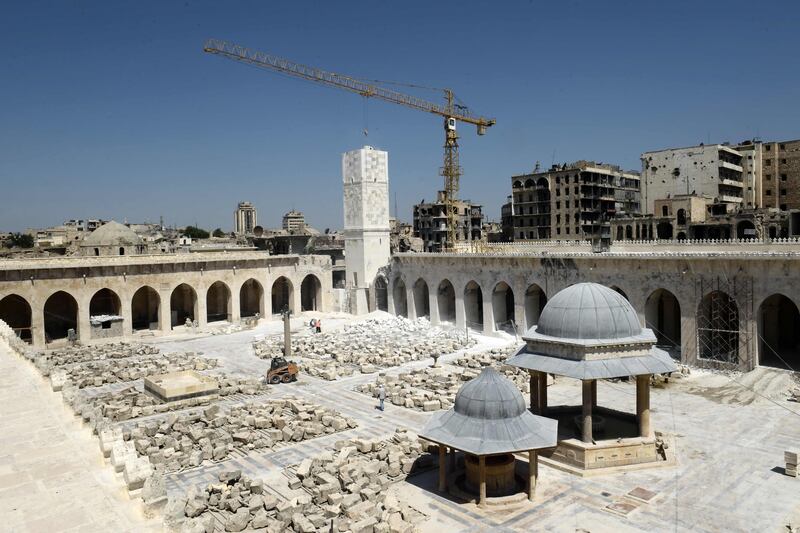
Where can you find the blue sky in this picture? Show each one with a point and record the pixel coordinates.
(111, 109)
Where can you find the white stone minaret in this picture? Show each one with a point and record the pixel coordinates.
(365, 173)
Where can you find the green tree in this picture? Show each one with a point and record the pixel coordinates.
(20, 240)
(195, 232)
(218, 233)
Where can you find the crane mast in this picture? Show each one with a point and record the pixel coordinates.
(452, 113)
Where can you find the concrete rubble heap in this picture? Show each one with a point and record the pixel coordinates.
(46, 361)
(184, 440)
(367, 346)
(101, 372)
(103, 408)
(431, 389)
(344, 490)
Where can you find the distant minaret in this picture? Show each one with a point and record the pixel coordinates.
(365, 173)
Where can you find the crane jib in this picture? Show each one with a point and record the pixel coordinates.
(452, 112)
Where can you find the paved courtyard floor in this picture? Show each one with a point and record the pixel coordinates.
(728, 476)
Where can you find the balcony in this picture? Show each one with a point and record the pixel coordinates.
(730, 166)
(732, 183)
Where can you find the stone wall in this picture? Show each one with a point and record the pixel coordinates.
(81, 278)
(749, 278)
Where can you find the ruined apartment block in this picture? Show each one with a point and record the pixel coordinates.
(572, 201)
(714, 171)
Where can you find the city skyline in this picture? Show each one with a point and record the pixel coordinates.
(133, 104)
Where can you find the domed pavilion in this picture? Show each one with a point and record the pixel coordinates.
(590, 332)
(489, 422)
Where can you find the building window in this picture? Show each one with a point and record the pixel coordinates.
(769, 177)
(558, 192)
(558, 180)
(782, 147)
(558, 205)
(783, 192)
(783, 177)
(567, 230)
(768, 147)
(783, 161)
(769, 193)
(566, 204)
(783, 207)
(768, 162)
(558, 231)
(664, 211)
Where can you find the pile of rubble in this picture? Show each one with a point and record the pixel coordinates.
(371, 344)
(98, 410)
(184, 440)
(434, 388)
(102, 372)
(346, 490)
(495, 357)
(46, 361)
(427, 389)
(10, 336)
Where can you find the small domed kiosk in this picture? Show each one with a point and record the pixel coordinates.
(590, 332)
(489, 423)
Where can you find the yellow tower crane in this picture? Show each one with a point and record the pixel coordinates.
(452, 112)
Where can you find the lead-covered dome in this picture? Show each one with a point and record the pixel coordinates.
(588, 311)
(489, 396)
(489, 417)
(112, 234)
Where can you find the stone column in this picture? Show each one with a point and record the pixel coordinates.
(534, 385)
(453, 461)
(519, 314)
(442, 468)
(164, 311)
(482, 480)
(84, 326)
(127, 315)
(433, 305)
(411, 305)
(37, 323)
(643, 404)
(587, 411)
(235, 313)
(201, 308)
(488, 314)
(295, 299)
(461, 314)
(533, 472)
(542, 393)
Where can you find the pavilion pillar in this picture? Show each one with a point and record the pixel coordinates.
(452, 461)
(442, 468)
(534, 386)
(542, 393)
(587, 410)
(482, 480)
(643, 404)
(533, 472)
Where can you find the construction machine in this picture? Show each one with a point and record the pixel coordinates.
(451, 110)
(282, 370)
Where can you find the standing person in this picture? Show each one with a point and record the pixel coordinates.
(381, 396)
(313, 325)
(319, 326)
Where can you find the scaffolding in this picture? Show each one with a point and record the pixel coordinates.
(725, 310)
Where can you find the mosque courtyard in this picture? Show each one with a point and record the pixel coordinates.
(727, 433)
